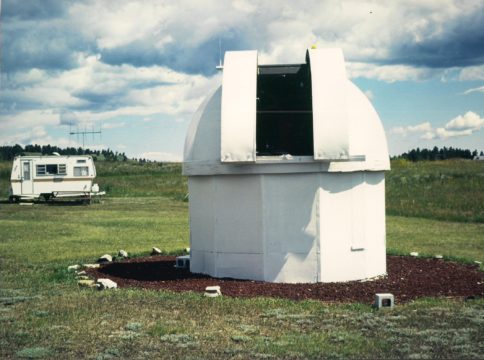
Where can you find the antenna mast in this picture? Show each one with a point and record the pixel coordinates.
(219, 66)
(84, 133)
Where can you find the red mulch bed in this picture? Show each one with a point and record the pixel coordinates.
(408, 278)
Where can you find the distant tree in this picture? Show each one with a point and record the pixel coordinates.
(7, 153)
(438, 154)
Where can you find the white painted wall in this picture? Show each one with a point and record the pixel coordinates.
(288, 228)
(226, 238)
(352, 226)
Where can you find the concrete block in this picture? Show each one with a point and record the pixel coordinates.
(73, 267)
(103, 284)
(86, 283)
(91, 266)
(155, 251)
(105, 258)
(212, 291)
(183, 262)
(384, 300)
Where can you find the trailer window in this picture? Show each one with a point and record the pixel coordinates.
(51, 169)
(284, 110)
(81, 161)
(81, 171)
(40, 170)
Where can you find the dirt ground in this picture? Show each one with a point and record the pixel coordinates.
(408, 278)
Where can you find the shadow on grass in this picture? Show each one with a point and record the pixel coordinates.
(57, 202)
(161, 270)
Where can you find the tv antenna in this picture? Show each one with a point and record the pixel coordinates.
(219, 66)
(84, 133)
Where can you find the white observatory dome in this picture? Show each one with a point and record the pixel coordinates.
(358, 134)
(286, 174)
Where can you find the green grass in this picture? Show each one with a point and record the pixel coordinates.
(43, 314)
(463, 241)
(446, 190)
(50, 237)
(131, 179)
(5, 170)
(65, 233)
(127, 179)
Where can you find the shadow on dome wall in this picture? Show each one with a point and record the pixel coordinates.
(284, 110)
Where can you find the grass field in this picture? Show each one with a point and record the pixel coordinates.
(445, 190)
(43, 314)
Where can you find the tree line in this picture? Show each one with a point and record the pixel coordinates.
(9, 152)
(438, 154)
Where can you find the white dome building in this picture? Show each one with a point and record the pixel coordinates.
(285, 167)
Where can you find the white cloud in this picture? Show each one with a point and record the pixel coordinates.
(443, 133)
(388, 73)
(162, 90)
(405, 130)
(30, 77)
(428, 135)
(477, 89)
(113, 25)
(282, 31)
(462, 125)
(244, 6)
(113, 125)
(143, 42)
(472, 73)
(36, 135)
(469, 121)
(30, 119)
(69, 118)
(160, 156)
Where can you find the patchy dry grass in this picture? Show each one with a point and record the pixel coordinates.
(148, 324)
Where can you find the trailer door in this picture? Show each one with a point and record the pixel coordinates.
(27, 182)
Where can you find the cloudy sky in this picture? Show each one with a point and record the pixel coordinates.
(139, 69)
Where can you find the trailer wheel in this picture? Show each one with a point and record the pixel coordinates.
(46, 197)
(13, 199)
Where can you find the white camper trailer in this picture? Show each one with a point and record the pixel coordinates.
(49, 177)
(285, 168)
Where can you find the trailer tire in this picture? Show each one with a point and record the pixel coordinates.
(13, 199)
